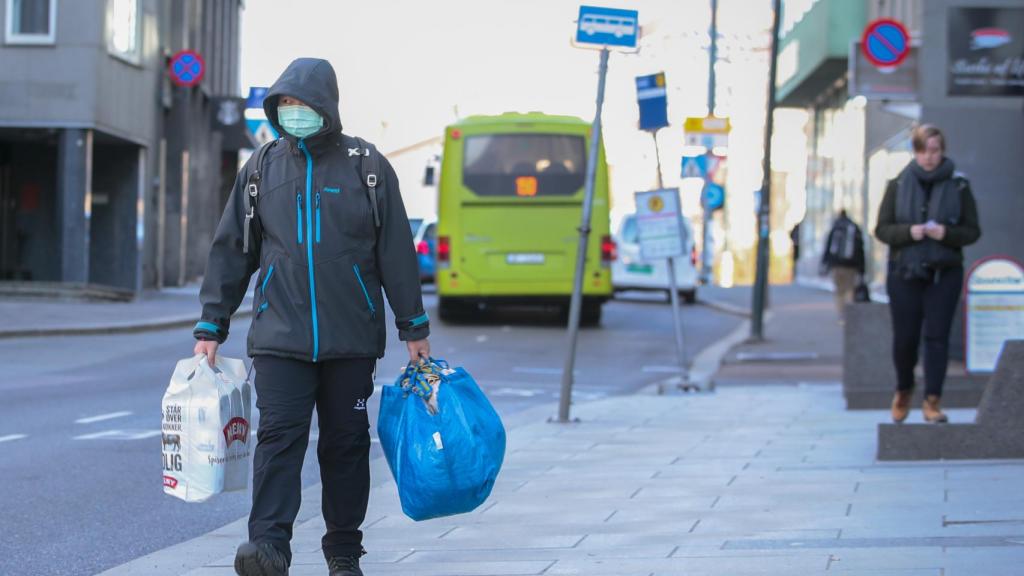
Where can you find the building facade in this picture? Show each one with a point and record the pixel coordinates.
(110, 174)
(859, 119)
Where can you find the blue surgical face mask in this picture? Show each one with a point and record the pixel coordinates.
(299, 121)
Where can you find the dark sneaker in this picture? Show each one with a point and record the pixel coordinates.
(260, 560)
(344, 566)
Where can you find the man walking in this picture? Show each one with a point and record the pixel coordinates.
(844, 257)
(327, 233)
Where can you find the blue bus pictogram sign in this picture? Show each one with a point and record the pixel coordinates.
(885, 43)
(608, 27)
(187, 68)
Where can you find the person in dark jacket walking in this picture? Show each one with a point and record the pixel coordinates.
(926, 217)
(844, 257)
(324, 253)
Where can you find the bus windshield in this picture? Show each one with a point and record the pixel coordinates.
(498, 164)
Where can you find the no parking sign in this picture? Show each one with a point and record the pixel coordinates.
(186, 68)
(886, 43)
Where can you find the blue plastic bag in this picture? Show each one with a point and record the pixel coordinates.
(444, 462)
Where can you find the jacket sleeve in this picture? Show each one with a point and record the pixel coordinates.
(228, 269)
(396, 261)
(968, 230)
(887, 230)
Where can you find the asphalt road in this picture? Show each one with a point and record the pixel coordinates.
(80, 464)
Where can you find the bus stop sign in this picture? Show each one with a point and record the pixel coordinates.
(607, 27)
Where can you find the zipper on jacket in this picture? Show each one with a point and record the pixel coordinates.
(298, 217)
(369, 301)
(317, 217)
(309, 248)
(263, 291)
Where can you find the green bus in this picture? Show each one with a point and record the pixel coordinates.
(510, 202)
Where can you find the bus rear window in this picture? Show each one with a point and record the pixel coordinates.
(525, 165)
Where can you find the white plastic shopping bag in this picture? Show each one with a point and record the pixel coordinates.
(205, 424)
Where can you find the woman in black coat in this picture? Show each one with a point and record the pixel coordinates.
(927, 216)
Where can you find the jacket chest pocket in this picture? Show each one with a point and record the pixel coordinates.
(341, 219)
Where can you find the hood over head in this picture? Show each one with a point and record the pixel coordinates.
(313, 81)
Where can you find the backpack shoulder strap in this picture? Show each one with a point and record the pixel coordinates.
(369, 166)
(252, 193)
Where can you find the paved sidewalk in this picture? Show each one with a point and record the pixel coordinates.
(152, 310)
(750, 480)
(764, 479)
(803, 340)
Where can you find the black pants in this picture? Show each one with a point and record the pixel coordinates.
(931, 303)
(286, 392)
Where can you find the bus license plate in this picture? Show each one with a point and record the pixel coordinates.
(524, 258)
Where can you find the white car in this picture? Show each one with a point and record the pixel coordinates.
(631, 272)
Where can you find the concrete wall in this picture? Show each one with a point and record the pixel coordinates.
(77, 82)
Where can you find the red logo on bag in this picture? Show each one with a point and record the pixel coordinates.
(170, 482)
(237, 429)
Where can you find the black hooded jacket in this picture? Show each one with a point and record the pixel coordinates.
(322, 260)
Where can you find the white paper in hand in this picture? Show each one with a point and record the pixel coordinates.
(205, 424)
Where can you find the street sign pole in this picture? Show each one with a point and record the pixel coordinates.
(764, 210)
(581, 254)
(707, 255)
(673, 287)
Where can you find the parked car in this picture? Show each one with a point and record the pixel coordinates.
(424, 237)
(631, 272)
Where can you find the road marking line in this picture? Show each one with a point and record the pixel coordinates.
(120, 435)
(10, 437)
(102, 417)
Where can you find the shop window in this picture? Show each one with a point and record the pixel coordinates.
(31, 22)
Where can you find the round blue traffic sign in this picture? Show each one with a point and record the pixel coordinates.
(885, 43)
(187, 68)
(714, 196)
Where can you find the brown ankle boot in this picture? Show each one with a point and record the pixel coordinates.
(901, 405)
(931, 410)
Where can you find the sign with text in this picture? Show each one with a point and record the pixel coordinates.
(986, 52)
(995, 310)
(897, 83)
(659, 220)
(710, 132)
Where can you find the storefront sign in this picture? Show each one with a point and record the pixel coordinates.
(986, 52)
(995, 310)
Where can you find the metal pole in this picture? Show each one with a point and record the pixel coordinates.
(673, 287)
(707, 257)
(581, 254)
(764, 210)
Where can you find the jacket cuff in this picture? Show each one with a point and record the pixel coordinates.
(209, 331)
(413, 328)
